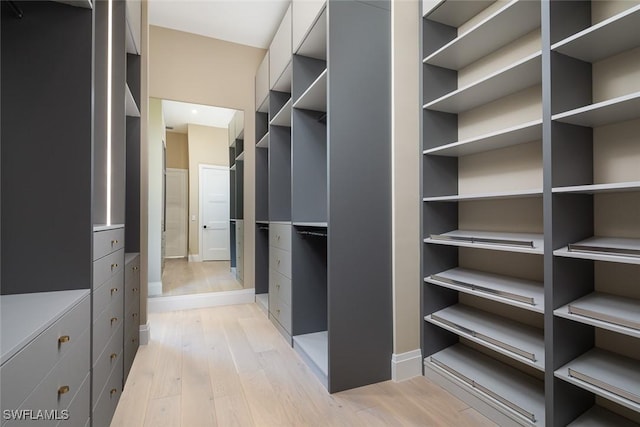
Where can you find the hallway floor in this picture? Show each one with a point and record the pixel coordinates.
(181, 277)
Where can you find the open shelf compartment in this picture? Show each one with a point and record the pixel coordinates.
(315, 97)
(314, 348)
(512, 242)
(620, 109)
(614, 249)
(597, 416)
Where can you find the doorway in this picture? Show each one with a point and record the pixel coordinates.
(214, 213)
(176, 208)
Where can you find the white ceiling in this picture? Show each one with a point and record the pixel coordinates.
(178, 114)
(248, 22)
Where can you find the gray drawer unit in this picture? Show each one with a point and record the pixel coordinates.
(79, 408)
(106, 404)
(107, 241)
(23, 372)
(105, 327)
(281, 311)
(107, 294)
(280, 236)
(107, 267)
(280, 261)
(279, 286)
(131, 344)
(132, 310)
(105, 363)
(132, 278)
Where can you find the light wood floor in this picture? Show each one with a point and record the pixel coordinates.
(181, 277)
(228, 366)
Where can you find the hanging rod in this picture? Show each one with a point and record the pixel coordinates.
(263, 228)
(311, 233)
(16, 10)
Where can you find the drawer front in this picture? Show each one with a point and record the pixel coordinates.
(108, 400)
(105, 242)
(111, 292)
(280, 261)
(132, 276)
(105, 327)
(23, 372)
(79, 408)
(280, 236)
(132, 317)
(282, 313)
(107, 267)
(106, 361)
(280, 286)
(131, 345)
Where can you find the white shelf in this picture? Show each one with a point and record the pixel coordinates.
(520, 134)
(280, 222)
(611, 312)
(311, 224)
(499, 241)
(240, 157)
(456, 13)
(614, 110)
(498, 384)
(264, 105)
(315, 97)
(604, 249)
(606, 374)
(104, 227)
(607, 38)
(131, 109)
(521, 342)
(616, 187)
(233, 167)
(314, 348)
(314, 44)
(536, 192)
(264, 141)
(283, 117)
(514, 20)
(518, 76)
(525, 294)
(283, 84)
(597, 416)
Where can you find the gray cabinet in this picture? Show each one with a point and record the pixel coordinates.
(280, 277)
(132, 310)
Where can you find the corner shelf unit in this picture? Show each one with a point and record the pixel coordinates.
(540, 257)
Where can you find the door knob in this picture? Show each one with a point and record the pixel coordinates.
(205, 226)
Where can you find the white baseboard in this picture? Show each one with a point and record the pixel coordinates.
(155, 289)
(212, 299)
(145, 334)
(406, 365)
(195, 258)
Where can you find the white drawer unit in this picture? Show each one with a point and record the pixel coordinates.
(281, 311)
(279, 286)
(280, 236)
(280, 275)
(280, 261)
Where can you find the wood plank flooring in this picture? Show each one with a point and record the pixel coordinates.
(181, 277)
(228, 366)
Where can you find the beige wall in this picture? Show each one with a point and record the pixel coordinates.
(191, 68)
(156, 137)
(406, 177)
(144, 165)
(177, 150)
(207, 146)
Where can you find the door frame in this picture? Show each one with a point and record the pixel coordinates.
(201, 167)
(185, 198)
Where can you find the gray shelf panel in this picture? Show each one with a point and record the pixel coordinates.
(311, 224)
(283, 117)
(514, 20)
(283, 84)
(607, 38)
(525, 294)
(521, 342)
(611, 111)
(131, 109)
(264, 141)
(500, 241)
(264, 105)
(315, 97)
(500, 385)
(613, 249)
(616, 187)
(611, 312)
(240, 157)
(536, 192)
(520, 75)
(456, 12)
(597, 416)
(233, 167)
(314, 348)
(520, 134)
(314, 44)
(263, 301)
(606, 374)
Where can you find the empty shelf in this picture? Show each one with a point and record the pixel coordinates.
(614, 110)
(526, 132)
(606, 374)
(517, 340)
(607, 38)
(264, 105)
(456, 13)
(314, 43)
(520, 75)
(283, 117)
(503, 386)
(521, 293)
(614, 249)
(131, 109)
(264, 141)
(314, 348)
(283, 83)
(240, 157)
(233, 167)
(617, 187)
(315, 97)
(597, 416)
(537, 192)
(263, 301)
(511, 242)
(615, 313)
(514, 20)
(311, 224)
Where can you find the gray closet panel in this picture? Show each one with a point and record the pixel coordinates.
(279, 173)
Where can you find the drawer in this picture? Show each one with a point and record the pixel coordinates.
(106, 361)
(111, 292)
(23, 372)
(131, 345)
(103, 329)
(281, 311)
(79, 409)
(132, 274)
(280, 286)
(132, 316)
(58, 389)
(105, 242)
(280, 261)
(108, 400)
(280, 236)
(107, 267)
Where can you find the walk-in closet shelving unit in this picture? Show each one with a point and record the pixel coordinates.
(492, 136)
(340, 200)
(236, 192)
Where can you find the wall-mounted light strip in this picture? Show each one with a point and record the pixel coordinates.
(109, 93)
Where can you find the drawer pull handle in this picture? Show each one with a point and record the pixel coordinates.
(114, 319)
(278, 262)
(114, 290)
(278, 286)
(134, 315)
(133, 340)
(63, 339)
(134, 290)
(64, 389)
(113, 356)
(135, 268)
(113, 391)
(278, 311)
(114, 242)
(114, 266)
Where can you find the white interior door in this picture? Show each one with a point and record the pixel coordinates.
(177, 213)
(214, 213)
